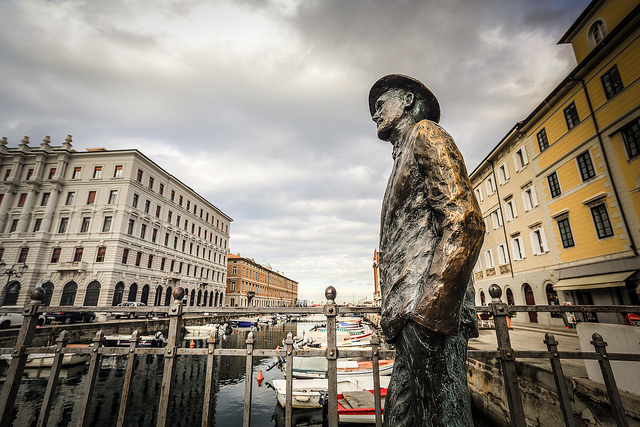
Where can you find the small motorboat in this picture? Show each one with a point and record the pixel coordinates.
(207, 329)
(245, 322)
(316, 367)
(358, 406)
(45, 360)
(119, 340)
(307, 393)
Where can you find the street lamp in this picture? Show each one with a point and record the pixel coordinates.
(16, 270)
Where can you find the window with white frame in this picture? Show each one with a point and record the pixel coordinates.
(517, 249)
(510, 209)
(503, 174)
(529, 198)
(520, 159)
(488, 258)
(503, 254)
(496, 219)
(478, 266)
(478, 192)
(491, 186)
(486, 225)
(538, 241)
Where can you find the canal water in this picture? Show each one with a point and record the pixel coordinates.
(228, 401)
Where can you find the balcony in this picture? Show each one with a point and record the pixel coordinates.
(72, 266)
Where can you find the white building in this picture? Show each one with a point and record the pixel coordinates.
(100, 227)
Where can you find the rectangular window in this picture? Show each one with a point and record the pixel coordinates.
(496, 219)
(151, 182)
(45, 199)
(157, 211)
(554, 185)
(147, 205)
(143, 230)
(138, 259)
(478, 192)
(24, 252)
(529, 199)
(84, 227)
(510, 209)
(7, 174)
(565, 233)
(586, 166)
(611, 82)
(154, 235)
(77, 172)
(132, 223)
(71, 196)
(134, 202)
(538, 242)
(180, 201)
(55, 255)
(97, 172)
(106, 225)
(161, 189)
(503, 174)
(520, 159)
(37, 224)
(184, 244)
(150, 261)
(113, 196)
(77, 256)
(64, 222)
(166, 239)
(631, 137)
(543, 142)
(162, 262)
(14, 226)
(488, 258)
(601, 221)
(491, 188)
(139, 178)
(52, 173)
(102, 251)
(173, 195)
(517, 248)
(22, 199)
(186, 224)
(91, 199)
(571, 116)
(173, 263)
(188, 204)
(29, 174)
(125, 255)
(117, 172)
(503, 255)
(177, 220)
(169, 216)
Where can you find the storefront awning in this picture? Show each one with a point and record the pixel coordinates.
(611, 280)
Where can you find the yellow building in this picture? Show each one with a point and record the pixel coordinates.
(561, 192)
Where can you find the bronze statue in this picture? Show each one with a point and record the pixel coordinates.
(430, 235)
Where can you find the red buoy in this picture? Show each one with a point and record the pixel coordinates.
(259, 378)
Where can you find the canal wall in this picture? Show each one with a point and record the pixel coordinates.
(589, 400)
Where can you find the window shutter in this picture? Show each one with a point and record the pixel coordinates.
(506, 172)
(544, 240)
(516, 162)
(525, 201)
(488, 185)
(513, 207)
(534, 243)
(534, 198)
(523, 254)
(499, 215)
(524, 155)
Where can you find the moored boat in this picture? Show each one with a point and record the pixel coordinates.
(316, 367)
(358, 406)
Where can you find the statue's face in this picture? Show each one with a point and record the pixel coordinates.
(390, 110)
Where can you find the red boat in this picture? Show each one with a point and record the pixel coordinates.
(359, 406)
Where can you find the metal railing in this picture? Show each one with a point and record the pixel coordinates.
(176, 311)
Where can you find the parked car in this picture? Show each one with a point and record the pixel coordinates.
(8, 320)
(131, 315)
(67, 317)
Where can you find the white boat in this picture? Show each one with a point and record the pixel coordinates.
(45, 360)
(316, 367)
(207, 329)
(306, 393)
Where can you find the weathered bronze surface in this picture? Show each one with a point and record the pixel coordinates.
(431, 234)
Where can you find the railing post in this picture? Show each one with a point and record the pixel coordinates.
(209, 385)
(19, 357)
(609, 380)
(248, 382)
(169, 373)
(507, 358)
(288, 414)
(90, 380)
(558, 376)
(52, 383)
(331, 311)
(128, 379)
(375, 360)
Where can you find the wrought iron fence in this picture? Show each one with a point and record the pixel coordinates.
(176, 311)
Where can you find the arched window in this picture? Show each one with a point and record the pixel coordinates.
(158, 299)
(199, 297)
(597, 33)
(193, 297)
(482, 298)
(145, 295)
(205, 298)
(167, 297)
(214, 301)
(530, 300)
(552, 299)
(510, 299)
(133, 292)
(12, 292)
(69, 294)
(220, 301)
(118, 293)
(48, 293)
(92, 294)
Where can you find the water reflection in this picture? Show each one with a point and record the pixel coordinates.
(228, 399)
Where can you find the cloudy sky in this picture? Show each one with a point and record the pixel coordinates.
(261, 105)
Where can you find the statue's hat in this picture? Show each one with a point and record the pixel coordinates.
(430, 105)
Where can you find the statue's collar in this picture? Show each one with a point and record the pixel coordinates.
(403, 139)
